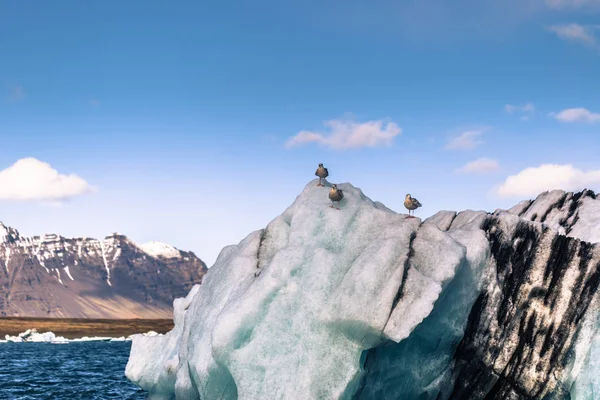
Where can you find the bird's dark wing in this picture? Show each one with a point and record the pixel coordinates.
(416, 202)
(326, 172)
(341, 193)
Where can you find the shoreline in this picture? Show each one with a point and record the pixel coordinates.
(73, 328)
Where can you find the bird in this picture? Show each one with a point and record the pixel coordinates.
(335, 194)
(411, 204)
(322, 173)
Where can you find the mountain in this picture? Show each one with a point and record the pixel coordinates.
(53, 276)
(365, 303)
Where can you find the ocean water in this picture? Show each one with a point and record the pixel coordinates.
(83, 370)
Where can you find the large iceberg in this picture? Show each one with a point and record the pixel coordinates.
(365, 303)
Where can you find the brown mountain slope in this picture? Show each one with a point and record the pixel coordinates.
(52, 276)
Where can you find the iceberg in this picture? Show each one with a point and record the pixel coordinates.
(364, 303)
(33, 336)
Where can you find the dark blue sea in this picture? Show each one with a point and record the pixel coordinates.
(83, 370)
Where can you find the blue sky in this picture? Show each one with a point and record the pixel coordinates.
(178, 118)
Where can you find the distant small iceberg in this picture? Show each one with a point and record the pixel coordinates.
(33, 336)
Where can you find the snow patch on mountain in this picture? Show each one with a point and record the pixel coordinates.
(68, 273)
(158, 249)
(7, 259)
(105, 263)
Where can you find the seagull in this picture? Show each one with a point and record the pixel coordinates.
(322, 173)
(411, 204)
(335, 194)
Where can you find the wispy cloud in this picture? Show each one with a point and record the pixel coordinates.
(526, 110)
(347, 134)
(585, 34)
(531, 181)
(481, 166)
(32, 179)
(466, 141)
(577, 115)
(17, 93)
(564, 4)
(270, 138)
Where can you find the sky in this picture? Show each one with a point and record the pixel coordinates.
(196, 123)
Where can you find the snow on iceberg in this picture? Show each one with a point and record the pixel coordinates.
(364, 303)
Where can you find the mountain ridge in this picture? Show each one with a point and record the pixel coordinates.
(54, 276)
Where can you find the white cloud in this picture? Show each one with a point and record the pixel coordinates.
(576, 33)
(347, 134)
(466, 140)
(532, 181)
(525, 110)
(480, 166)
(577, 115)
(16, 93)
(559, 4)
(529, 107)
(31, 179)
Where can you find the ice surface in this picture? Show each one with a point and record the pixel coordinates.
(542, 204)
(442, 219)
(587, 385)
(519, 208)
(587, 226)
(584, 381)
(291, 309)
(162, 350)
(419, 365)
(559, 210)
(436, 258)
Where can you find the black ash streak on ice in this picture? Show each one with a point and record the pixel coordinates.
(263, 236)
(518, 311)
(544, 345)
(411, 253)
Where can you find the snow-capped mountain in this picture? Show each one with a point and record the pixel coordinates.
(363, 303)
(53, 276)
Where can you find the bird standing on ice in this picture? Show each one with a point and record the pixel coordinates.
(335, 194)
(322, 173)
(411, 204)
